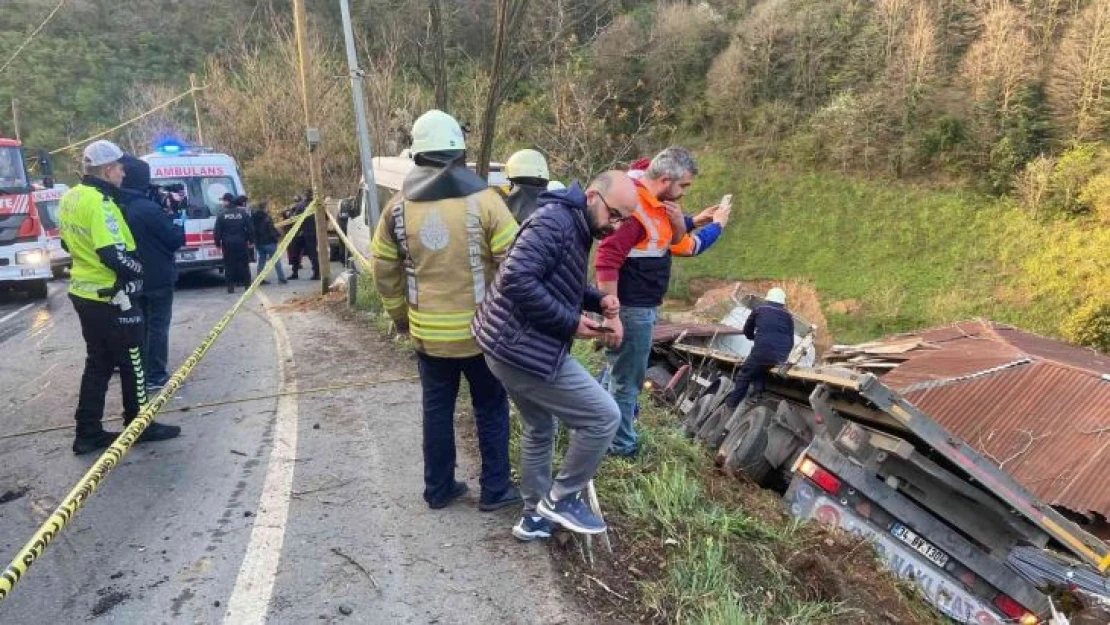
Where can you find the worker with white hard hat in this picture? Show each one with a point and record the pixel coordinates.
(528, 172)
(435, 251)
(771, 328)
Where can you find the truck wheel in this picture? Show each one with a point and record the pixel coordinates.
(750, 436)
(38, 289)
(714, 430)
(691, 424)
(58, 272)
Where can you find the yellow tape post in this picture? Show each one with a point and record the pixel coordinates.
(112, 456)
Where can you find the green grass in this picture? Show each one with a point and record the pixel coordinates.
(723, 563)
(912, 257)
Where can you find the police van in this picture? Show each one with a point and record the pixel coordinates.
(48, 201)
(205, 177)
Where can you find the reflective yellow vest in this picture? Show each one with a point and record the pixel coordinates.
(433, 262)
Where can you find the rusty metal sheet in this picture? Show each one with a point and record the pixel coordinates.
(1038, 407)
(667, 332)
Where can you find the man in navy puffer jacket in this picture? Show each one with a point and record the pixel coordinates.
(526, 327)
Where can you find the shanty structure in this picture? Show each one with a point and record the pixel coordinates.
(1037, 407)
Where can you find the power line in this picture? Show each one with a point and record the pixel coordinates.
(32, 36)
(131, 121)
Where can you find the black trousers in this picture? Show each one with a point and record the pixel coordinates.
(750, 373)
(237, 263)
(113, 340)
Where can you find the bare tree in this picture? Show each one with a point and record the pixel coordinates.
(437, 40)
(1079, 88)
(171, 121)
(1000, 63)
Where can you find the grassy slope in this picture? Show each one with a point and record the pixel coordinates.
(910, 257)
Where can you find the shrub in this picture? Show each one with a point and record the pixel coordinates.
(1089, 325)
(1033, 184)
(1073, 171)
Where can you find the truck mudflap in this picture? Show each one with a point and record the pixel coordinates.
(806, 501)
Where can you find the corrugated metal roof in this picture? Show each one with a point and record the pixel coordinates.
(1034, 405)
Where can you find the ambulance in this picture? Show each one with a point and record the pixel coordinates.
(205, 176)
(24, 261)
(48, 200)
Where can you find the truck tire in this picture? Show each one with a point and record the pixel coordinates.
(731, 434)
(750, 436)
(701, 405)
(38, 289)
(58, 272)
(714, 429)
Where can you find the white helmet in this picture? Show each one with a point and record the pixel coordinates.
(777, 296)
(555, 185)
(527, 164)
(436, 131)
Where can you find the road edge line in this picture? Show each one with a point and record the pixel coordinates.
(254, 586)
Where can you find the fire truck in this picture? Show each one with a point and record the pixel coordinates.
(204, 177)
(47, 201)
(24, 253)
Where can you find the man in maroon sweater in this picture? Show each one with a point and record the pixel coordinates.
(635, 265)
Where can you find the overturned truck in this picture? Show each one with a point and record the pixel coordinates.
(849, 451)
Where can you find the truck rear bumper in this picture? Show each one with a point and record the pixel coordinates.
(807, 501)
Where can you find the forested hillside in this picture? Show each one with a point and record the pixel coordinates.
(991, 115)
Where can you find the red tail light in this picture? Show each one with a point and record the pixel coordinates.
(1014, 610)
(827, 481)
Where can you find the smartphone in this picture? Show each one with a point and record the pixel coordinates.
(726, 202)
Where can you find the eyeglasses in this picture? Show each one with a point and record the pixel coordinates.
(615, 216)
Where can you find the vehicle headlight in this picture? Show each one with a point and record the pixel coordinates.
(30, 257)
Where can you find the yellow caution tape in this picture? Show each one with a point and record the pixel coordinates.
(112, 456)
(349, 245)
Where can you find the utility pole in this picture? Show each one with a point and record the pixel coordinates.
(312, 133)
(360, 116)
(196, 108)
(15, 118)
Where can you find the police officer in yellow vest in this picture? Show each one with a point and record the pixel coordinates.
(435, 250)
(105, 273)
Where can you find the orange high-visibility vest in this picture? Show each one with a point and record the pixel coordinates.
(652, 215)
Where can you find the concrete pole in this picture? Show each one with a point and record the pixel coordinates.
(300, 23)
(364, 152)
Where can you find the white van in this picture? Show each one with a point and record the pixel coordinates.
(48, 201)
(205, 176)
(389, 175)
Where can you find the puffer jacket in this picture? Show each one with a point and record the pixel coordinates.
(771, 327)
(531, 315)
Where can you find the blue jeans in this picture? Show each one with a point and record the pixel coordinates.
(265, 252)
(439, 378)
(157, 307)
(627, 369)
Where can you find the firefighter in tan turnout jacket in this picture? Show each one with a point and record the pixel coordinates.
(436, 249)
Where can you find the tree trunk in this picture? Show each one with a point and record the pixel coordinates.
(439, 56)
(493, 98)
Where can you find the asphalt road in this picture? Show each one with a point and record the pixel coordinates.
(282, 510)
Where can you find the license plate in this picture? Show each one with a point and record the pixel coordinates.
(186, 256)
(919, 544)
(27, 273)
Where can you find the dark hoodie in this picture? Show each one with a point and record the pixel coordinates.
(530, 316)
(156, 236)
(523, 200)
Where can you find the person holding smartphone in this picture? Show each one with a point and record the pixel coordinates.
(526, 326)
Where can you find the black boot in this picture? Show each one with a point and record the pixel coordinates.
(93, 441)
(230, 288)
(158, 432)
(294, 275)
(315, 276)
